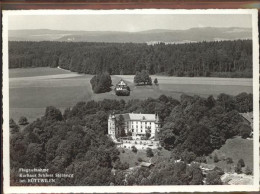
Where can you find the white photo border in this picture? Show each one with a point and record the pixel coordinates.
(129, 189)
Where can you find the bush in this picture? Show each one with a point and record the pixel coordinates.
(149, 152)
(155, 81)
(14, 128)
(134, 149)
(121, 166)
(140, 159)
(129, 133)
(23, 121)
(244, 130)
(201, 159)
(238, 169)
(124, 92)
(219, 170)
(213, 178)
(241, 163)
(215, 158)
(248, 171)
(229, 160)
(187, 156)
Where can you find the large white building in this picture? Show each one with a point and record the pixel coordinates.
(137, 124)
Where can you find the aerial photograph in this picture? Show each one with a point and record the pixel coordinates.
(130, 99)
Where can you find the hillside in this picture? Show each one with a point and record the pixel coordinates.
(150, 36)
(236, 148)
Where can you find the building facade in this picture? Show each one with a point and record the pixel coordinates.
(137, 124)
(122, 89)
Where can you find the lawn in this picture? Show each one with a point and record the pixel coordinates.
(203, 86)
(32, 89)
(132, 158)
(31, 72)
(236, 148)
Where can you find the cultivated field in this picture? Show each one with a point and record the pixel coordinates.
(32, 89)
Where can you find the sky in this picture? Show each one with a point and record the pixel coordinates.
(131, 23)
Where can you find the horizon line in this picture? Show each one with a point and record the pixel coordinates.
(129, 31)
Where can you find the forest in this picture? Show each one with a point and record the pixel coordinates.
(219, 58)
(76, 140)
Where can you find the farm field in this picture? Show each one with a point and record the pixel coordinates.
(31, 90)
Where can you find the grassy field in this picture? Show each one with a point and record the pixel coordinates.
(31, 72)
(32, 89)
(203, 86)
(236, 148)
(132, 158)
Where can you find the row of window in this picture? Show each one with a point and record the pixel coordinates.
(136, 122)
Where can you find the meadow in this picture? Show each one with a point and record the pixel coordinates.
(236, 148)
(32, 89)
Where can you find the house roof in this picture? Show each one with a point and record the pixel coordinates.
(248, 116)
(121, 83)
(138, 117)
(146, 164)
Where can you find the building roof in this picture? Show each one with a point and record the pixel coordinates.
(138, 117)
(248, 116)
(121, 83)
(146, 164)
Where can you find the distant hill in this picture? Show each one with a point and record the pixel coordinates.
(150, 36)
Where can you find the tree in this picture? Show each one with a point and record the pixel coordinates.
(244, 102)
(53, 114)
(213, 178)
(137, 78)
(238, 168)
(149, 152)
(129, 133)
(229, 160)
(187, 156)
(155, 81)
(23, 121)
(101, 83)
(120, 124)
(244, 130)
(148, 133)
(196, 173)
(142, 77)
(226, 101)
(218, 59)
(248, 171)
(134, 149)
(241, 162)
(215, 158)
(14, 128)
